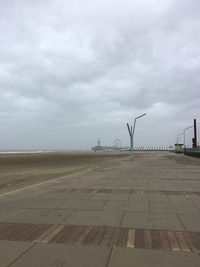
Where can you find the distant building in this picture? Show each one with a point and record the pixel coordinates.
(178, 147)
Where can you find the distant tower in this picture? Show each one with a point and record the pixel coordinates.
(99, 143)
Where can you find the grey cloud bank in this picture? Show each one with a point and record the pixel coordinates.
(75, 71)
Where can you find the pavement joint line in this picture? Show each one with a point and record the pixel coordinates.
(68, 216)
(177, 215)
(123, 214)
(84, 235)
(19, 256)
(105, 202)
(168, 198)
(109, 257)
(196, 206)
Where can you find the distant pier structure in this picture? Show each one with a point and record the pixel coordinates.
(99, 147)
(116, 146)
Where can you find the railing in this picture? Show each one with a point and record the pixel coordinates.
(143, 148)
(192, 151)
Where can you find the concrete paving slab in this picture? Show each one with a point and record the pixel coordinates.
(6, 214)
(43, 255)
(181, 199)
(118, 187)
(149, 258)
(194, 258)
(79, 204)
(187, 208)
(111, 196)
(159, 198)
(49, 195)
(138, 197)
(65, 196)
(162, 207)
(139, 206)
(173, 208)
(33, 203)
(190, 222)
(49, 216)
(151, 221)
(98, 218)
(10, 250)
(197, 202)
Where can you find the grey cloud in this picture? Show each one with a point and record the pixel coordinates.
(97, 64)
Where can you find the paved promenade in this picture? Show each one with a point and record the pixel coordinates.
(141, 213)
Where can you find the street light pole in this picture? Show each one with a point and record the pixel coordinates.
(131, 131)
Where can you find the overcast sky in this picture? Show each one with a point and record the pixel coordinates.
(72, 72)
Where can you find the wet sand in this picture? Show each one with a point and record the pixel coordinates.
(20, 170)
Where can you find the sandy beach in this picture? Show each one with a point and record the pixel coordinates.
(20, 170)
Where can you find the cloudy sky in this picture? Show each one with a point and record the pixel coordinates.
(72, 72)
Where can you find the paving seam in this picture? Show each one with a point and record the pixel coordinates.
(179, 219)
(68, 216)
(123, 214)
(129, 197)
(167, 196)
(105, 202)
(22, 254)
(196, 206)
(109, 257)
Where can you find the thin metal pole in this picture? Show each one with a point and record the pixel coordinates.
(195, 133)
(184, 138)
(133, 132)
(130, 130)
(132, 146)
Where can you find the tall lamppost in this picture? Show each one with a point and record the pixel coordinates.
(131, 131)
